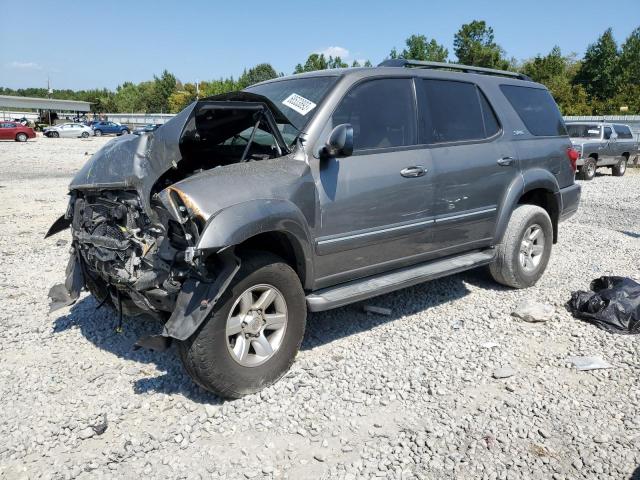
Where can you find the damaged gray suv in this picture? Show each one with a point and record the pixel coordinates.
(305, 193)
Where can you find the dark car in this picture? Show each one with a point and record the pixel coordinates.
(151, 127)
(249, 209)
(105, 128)
(16, 131)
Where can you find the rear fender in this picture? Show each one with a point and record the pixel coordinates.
(532, 179)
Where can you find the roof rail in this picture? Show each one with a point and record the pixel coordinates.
(403, 62)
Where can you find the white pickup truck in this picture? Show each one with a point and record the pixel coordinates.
(602, 144)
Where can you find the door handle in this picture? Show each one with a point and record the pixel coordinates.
(413, 172)
(505, 161)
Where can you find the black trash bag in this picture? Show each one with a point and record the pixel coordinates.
(612, 305)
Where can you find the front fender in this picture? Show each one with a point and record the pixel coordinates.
(237, 223)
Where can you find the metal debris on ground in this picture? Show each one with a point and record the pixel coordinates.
(589, 363)
(503, 372)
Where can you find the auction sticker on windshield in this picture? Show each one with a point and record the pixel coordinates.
(299, 103)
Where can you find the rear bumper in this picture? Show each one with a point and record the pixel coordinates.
(570, 200)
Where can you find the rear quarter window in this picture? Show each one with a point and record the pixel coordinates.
(623, 131)
(537, 110)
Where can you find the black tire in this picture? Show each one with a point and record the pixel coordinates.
(206, 356)
(85, 135)
(619, 169)
(507, 268)
(54, 135)
(588, 170)
(124, 132)
(21, 137)
(97, 133)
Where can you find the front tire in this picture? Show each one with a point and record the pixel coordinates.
(253, 334)
(588, 170)
(523, 254)
(619, 169)
(54, 135)
(97, 133)
(21, 137)
(85, 135)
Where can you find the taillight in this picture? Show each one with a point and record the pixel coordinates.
(573, 156)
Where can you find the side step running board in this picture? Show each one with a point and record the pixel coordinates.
(361, 289)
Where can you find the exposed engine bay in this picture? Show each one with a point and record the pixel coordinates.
(126, 254)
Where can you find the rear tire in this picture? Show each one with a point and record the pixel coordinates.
(209, 355)
(523, 254)
(588, 170)
(21, 137)
(619, 169)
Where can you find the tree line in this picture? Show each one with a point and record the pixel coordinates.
(605, 81)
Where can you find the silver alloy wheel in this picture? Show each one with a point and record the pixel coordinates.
(22, 137)
(85, 134)
(256, 325)
(98, 133)
(532, 248)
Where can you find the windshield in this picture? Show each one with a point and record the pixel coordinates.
(584, 131)
(297, 98)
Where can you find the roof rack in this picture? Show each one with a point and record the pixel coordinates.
(403, 62)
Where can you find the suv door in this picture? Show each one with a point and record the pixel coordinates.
(375, 205)
(473, 163)
(608, 153)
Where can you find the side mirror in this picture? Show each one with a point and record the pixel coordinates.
(340, 142)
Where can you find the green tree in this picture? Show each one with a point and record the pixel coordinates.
(128, 98)
(158, 92)
(556, 72)
(599, 72)
(257, 74)
(630, 59)
(317, 61)
(418, 48)
(474, 44)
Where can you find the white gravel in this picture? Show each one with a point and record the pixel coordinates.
(410, 395)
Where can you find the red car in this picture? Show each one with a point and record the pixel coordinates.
(15, 131)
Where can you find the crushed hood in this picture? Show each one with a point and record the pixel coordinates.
(137, 162)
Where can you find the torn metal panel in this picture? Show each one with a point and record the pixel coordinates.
(67, 293)
(197, 298)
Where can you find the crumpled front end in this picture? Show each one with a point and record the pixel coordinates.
(134, 262)
(135, 230)
(141, 264)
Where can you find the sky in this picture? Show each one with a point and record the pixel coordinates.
(87, 44)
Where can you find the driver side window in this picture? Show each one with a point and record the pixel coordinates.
(381, 112)
(607, 133)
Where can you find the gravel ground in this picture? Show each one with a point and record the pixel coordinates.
(411, 395)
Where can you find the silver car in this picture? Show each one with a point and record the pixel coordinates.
(68, 130)
(602, 144)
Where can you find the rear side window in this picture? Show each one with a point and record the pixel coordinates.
(454, 112)
(623, 131)
(537, 110)
(382, 113)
